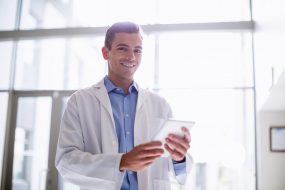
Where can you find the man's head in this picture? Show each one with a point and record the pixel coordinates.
(120, 27)
(123, 51)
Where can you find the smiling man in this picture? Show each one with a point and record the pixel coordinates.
(105, 139)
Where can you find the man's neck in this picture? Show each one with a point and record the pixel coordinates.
(122, 83)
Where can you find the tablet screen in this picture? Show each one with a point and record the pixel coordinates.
(173, 127)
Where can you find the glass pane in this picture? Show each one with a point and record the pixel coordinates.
(142, 12)
(205, 59)
(5, 64)
(184, 11)
(72, 63)
(59, 63)
(30, 164)
(43, 14)
(8, 10)
(63, 13)
(223, 137)
(3, 116)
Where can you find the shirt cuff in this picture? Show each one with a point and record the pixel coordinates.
(179, 167)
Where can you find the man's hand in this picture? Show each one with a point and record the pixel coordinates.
(179, 145)
(141, 156)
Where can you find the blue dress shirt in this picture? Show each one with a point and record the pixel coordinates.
(124, 110)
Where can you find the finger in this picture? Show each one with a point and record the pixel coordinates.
(173, 153)
(150, 159)
(178, 140)
(151, 145)
(148, 163)
(150, 153)
(176, 146)
(187, 135)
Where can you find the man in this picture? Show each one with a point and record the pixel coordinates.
(106, 133)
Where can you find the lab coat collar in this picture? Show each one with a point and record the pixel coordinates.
(102, 94)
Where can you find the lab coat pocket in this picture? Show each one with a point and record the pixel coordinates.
(159, 184)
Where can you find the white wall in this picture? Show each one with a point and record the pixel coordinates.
(269, 48)
(271, 165)
(269, 44)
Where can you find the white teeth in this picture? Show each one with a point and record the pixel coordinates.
(128, 65)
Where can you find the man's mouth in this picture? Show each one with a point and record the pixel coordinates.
(129, 65)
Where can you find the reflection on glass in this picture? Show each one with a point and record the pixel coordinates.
(58, 13)
(205, 59)
(5, 64)
(180, 11)
(30, 162)
(43, 14)
(142, 12)
(222, 139)
(3, 115)
(68, 64)
(59, 63)
(95, 13)
(8, 14)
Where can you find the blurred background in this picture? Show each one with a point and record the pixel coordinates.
(220, 63)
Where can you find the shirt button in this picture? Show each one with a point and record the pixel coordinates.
(128, 132)
(127, 115)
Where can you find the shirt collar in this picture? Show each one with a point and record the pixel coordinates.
(110, 86)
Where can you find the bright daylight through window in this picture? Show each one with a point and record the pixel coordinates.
(205, 73)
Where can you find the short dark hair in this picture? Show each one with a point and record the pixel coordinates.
(125, 27)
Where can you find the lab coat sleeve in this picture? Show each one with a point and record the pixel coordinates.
(100, 171)
(181, 179)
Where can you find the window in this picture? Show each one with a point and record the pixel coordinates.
(59, 63)
(205, 74)
(95, 13)
(30, 162)
(3, 116)
(222, 144)
(8, 14)
(5, 64)
(205, 59)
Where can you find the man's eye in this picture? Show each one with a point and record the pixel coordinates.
(122, 49)
(138, 51)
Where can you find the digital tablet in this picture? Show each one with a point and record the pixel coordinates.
(172, 127)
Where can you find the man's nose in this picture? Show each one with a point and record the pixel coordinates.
(130, 56)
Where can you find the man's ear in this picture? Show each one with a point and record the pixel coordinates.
(105, 53)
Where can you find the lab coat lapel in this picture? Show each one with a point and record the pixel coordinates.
(141, 98)
(102, 95)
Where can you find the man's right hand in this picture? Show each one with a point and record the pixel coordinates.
(141, 156)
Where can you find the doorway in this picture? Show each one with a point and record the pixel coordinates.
(32, 139)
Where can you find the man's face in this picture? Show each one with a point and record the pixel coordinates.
(124, 56)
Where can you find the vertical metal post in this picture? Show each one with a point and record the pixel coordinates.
(7, 172)
(52, 177)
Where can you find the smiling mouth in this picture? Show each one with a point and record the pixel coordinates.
(129, 65)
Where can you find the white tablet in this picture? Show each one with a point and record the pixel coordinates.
(173, 127)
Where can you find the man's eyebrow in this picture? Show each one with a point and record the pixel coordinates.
(125, 45)
(139, 47)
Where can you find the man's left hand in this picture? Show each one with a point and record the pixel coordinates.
(179, 145)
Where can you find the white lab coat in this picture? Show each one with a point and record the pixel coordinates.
(87, 153)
